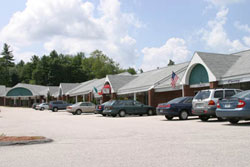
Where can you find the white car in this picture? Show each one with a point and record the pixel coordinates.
(79, 108)
(42, 106)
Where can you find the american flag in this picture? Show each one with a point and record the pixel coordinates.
(174, 79)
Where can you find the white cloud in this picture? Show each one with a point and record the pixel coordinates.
(223, 3)
(174, 49)
(71, 26)
(215, 37)
(242, 27)
(246, 40)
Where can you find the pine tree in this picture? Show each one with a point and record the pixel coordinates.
(7, 59)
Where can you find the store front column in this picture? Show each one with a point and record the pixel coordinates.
(90, 97)
(213, 85)
(4, 101)
(151, 97)
(83, 97)
(134, 96)
(76, 99)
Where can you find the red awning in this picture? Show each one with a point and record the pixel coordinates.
(107, 86)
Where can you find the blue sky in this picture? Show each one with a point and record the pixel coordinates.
(137, 33)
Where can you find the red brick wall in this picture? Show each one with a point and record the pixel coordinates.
(161, 97)
(191, 91)
(1, 101)
(151, 98)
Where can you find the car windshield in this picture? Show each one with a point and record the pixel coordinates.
(242, 94)
(107, 102)
(177, 100)
(110, 103)
(202, 95)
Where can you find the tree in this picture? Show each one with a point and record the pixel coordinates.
(6, 62)
(131, 70)
(170, 63)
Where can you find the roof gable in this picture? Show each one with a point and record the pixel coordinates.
(219, 64)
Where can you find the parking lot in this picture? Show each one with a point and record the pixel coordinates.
(92, 140)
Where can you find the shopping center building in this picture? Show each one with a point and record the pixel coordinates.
(204, 71)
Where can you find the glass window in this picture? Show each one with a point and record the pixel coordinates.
(188, 100)
(242, 94)
(177, 100)
(218, 94)
(137, 103)
(202, 94)
(90, 104)
(238, 91)
(84, 104)
(128, 103)
(229, 93)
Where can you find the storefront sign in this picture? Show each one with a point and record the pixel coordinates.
(233, 81)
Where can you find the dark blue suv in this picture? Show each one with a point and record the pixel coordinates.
(58, 105)
(179, 107)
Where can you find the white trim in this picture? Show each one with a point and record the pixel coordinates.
(200, 85)
(233, 80)
(107, 80)
(168, 89)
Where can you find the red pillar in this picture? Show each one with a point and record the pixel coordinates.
(151, 94)
(113, 96)
(213, 85)
(90, 97)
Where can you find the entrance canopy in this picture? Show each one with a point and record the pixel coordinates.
(19, 92)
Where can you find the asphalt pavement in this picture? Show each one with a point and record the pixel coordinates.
(91, 140)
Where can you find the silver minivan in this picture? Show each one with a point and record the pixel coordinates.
(205, 101)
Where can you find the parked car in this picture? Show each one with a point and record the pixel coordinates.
(42, 106)
(34, 105)
(131, 107)
(235, 108)
(58, 105)
(179, 107)
(100, 108)
(79, 108)
(204, 103)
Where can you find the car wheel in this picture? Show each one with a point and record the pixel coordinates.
(204, 118)
(73, 113)
(122, 113)
(140, 114)
(183, 115)
(55, 109)
(168, 117)
(150, 112)
(78, 112)
(104, 115)
(42, 109)
(233, 121)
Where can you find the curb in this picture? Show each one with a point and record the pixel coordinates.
(25, 142)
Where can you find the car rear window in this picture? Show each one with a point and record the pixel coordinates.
(229, 93)
(242, 94)
(177, 100)
(203, 95)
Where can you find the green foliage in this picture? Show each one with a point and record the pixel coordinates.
(171, 62)
(6, 63)
(55, 68)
